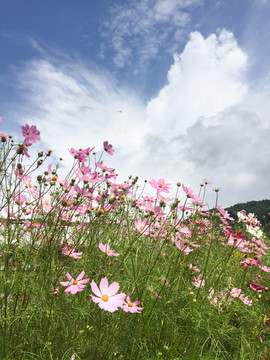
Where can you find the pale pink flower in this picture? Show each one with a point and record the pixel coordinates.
(235, 292)
(108, 148)
(81, 154)
(160, 185)
(106, 297)
(106, 249)
(182, 244)
(103, 167)
(19, 198)
(224, 213)
(245, 300)
(193, 267)
(142, 226)
(264, 268)
(206, 181)
(74, 286)
(34, 191)
(129, 306)
(71, 253)
(187, 190)
(196, 200)
(198, 282)
(31, 134)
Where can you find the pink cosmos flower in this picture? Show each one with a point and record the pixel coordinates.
(106, 297)
(257, 287)
(160, 185)
(74, 286)
(129, 306)
(264, 268)
(108, 148)
(31, 134)
(196, 200)
(19, 198)
(106, 249)
(198, 282)
(81, 154)
(193, 267)
(245, 300)
(142, 226)
(71, 253)
(224, 213)
(187, 190)
(249, 261)
(235, 292)
(206, 181)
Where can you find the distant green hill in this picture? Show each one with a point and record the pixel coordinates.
(260, 208)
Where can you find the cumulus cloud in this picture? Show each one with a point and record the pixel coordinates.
(144, 29)
(231, 148)
(204, 123)
(207, 77)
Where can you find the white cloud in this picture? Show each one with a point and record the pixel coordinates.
(203, 123)
(232, 148)
(143, 29)
(76, 107)
(207, 77)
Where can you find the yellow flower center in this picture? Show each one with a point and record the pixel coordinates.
(130, 304)
(141, 227)
(160, 185)
(75, 282)
(105, 298)
(108, 251)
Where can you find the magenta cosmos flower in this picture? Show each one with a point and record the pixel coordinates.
(30, 133)
(106, 249)
(108, 148)
(74, 286)
(160, 185)
(106, 297)
(129, 306)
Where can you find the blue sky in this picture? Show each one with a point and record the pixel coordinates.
(191, 76)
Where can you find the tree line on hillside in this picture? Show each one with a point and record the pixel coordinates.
(260, 208)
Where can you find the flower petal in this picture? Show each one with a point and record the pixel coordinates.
(95, 289)
(103, 286)
(81, 275)
(84, 281)
(96, 299)
(113, 288)
(111, 307)
(69, 277)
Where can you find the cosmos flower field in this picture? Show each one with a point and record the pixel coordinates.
(91, 268)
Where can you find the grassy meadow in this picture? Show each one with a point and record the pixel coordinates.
(91, 268)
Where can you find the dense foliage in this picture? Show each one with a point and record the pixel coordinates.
(95, 269)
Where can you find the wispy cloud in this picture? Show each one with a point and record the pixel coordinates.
(145, 29)
(204, 122)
